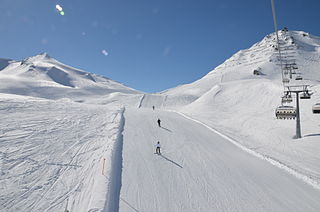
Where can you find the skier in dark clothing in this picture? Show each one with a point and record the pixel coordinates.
(158, 146)
(159, 122)
(153, 107)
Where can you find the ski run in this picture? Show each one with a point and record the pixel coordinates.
(74, 141)
(200, 171)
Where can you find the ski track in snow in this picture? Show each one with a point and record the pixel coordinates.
(200, 171)
(51, 154)
(141, 100)
(272, 161)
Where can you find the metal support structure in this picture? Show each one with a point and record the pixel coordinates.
(290, 65)
(297, 90)
(298, 125)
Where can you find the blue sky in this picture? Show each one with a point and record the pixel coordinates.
(149, 45)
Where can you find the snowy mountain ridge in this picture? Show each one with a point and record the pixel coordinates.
(261, 57)
(42, 76)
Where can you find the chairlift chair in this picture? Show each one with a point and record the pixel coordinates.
(306, 95)
(285, 80)
(299, 77)
(286, 112)
(287, 98)
(316, 108)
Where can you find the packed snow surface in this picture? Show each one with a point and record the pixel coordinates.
(52, 153)
(74, 140)
(199, 170)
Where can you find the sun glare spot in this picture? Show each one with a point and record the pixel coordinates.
(60, 9)
(104, 52)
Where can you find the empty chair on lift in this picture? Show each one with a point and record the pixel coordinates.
(305, 95)
(287, 98)
(285, 80)
(299, 77)
(316, 108)
(286, 112)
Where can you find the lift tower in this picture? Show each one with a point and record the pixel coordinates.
(297, 89)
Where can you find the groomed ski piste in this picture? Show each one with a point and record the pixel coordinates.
(75, 141)
(199, 170)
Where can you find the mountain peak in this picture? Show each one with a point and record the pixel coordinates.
(40, 57)
(299, 49)
(44, 55)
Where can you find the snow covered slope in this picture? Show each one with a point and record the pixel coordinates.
(243, 105)
(45, 77)
(52, 153)
(261, 58)
(240, 96)
(200, 171)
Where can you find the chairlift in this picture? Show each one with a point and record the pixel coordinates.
(305, 95)
(285, 80)
(316, 108)
(286, 112)
(286, 99)
(299, 77)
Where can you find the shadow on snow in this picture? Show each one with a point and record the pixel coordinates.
(167, 159)
(312, 135)
(166, 129)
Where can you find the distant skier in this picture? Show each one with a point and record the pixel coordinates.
(158, 146)
(159, 121)
(153, 107)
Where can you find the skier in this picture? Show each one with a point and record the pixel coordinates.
(159, 122)
(153, 107)
(158, 146)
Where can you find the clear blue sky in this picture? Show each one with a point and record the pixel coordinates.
(151, 45)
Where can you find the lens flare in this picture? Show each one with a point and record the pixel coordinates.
(104, 52)
(59, 8)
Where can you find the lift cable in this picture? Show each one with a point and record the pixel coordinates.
(278, 42)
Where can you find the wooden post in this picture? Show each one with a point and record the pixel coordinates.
(104, 160)
(66, 209)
